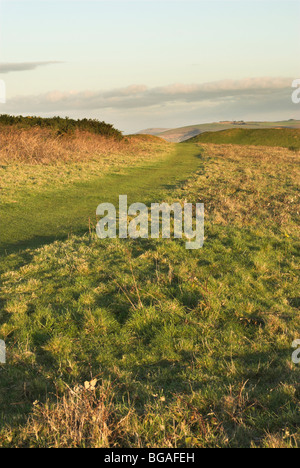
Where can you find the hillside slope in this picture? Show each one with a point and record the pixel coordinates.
(153, 131)
(177, 135)
(284, 137)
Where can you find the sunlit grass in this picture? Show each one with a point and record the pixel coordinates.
(282, 137)
(189, 349)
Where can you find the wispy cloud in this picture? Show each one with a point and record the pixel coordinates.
(258, 90)
(9, 67)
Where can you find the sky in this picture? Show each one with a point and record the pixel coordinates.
(141, 64)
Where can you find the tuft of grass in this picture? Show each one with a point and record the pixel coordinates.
(83, 417)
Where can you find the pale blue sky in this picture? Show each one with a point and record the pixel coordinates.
(107, 48)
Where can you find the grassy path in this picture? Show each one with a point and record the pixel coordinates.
(44, 217)
(191, 349)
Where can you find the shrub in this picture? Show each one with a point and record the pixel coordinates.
(61, 125)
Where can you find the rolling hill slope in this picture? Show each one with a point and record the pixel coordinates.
(178, 135)
(284, 137)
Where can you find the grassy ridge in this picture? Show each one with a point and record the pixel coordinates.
(286, 138)
(177, 348)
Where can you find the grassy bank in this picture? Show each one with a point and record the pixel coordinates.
(146, 344)
(285, 137)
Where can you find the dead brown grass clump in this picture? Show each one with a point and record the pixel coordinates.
(281, 441)
(83, 417)
(43, 146)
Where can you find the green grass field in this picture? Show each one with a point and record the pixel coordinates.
(286, 138)
(38, 215)
(141, 343)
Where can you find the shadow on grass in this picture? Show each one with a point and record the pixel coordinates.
(23, 383)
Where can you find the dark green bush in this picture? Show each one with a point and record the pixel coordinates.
(62, 125)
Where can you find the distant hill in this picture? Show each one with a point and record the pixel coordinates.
(153, 131)
(178, 135)
(283, 137)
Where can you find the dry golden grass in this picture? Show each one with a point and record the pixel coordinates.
(41, 146)
(246, 177)
(281, 441)
(88, 416)
(32, 159)
(84, 417)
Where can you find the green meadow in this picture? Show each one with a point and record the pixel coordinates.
(284, 137)
(142, 343)
(38, 215)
